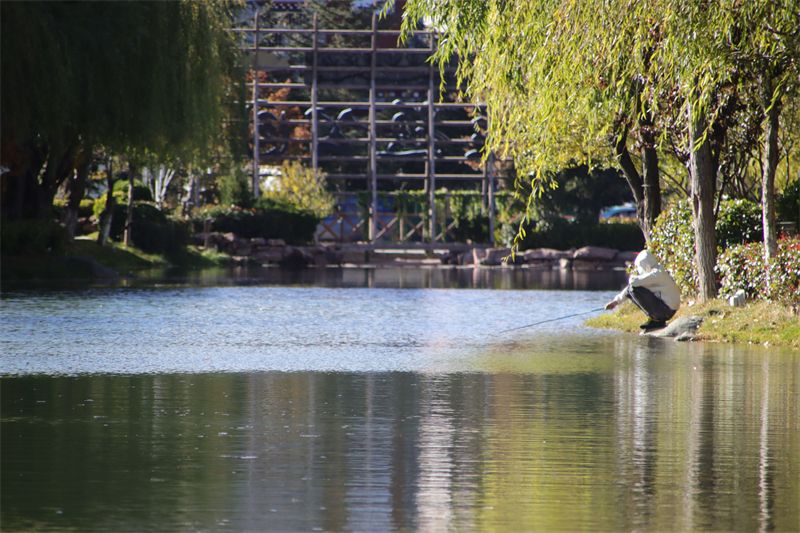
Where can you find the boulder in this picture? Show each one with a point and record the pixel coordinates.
(295, 258)
(270, 254)
(683, 328)
(626, 257)
(544, 254)
(450, 257)
(241, 247)
(495, 256)
(738, 299)
(334, 255)
(595, 253)
(276, 242)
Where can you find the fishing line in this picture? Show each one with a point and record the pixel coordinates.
(550, 320)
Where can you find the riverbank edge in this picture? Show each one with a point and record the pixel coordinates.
(765, 323)
(86, 260)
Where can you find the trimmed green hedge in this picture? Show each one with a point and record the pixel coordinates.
(31, 236)
(268, 220)
(152, 230)
(562, 234)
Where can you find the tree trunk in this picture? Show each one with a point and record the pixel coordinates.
(634, 180)
(104, 228)
(128, 239)
(650, 176)
(77, 186)
(768, 170)
(702, 175)
(60, 165)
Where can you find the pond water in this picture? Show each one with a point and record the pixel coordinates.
(250, 404)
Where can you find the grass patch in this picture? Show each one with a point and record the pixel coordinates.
(626, 317)
(76, 261)
(115, 255)
(757, 322)
(198, 257)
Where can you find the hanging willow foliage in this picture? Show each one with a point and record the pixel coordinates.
(566, 80)
(128, 75)
(557, 74)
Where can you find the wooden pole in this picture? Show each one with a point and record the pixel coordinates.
(314, 100)
(373, 161)
(431, 148)
(256, 147)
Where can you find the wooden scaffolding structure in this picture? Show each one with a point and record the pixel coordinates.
(394, 123)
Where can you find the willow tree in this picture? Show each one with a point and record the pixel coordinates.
(716, 55)
(127, 76)
(767, 49)
(562, 85)
(598, 80)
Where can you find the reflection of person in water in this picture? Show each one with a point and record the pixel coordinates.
(653, 290)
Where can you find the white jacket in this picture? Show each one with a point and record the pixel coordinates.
(652, 276)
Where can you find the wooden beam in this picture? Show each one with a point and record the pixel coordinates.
(256, 146)
(314, 102)
(373, 156)
(431, 146)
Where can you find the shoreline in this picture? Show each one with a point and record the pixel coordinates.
(757, 322)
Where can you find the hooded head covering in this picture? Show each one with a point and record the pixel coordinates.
(646, 262)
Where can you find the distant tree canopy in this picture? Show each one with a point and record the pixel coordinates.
(128, 76)
(646, 86)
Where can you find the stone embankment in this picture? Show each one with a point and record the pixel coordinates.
(277, 252)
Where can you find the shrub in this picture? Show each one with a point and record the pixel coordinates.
(738, 222)
(31, 236)
(152, 230)
(234, 189)
(141, 192)
(742, 267)
(100, 204)
(302, 188)
(788, 204)
(268, 219)
(85, 208)
(560, 233)
(672, 240)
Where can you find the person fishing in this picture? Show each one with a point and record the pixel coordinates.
(653, 291)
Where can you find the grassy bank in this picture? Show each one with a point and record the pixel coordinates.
(757, 322)
(85, 259)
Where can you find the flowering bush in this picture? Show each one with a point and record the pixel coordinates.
(672, 239)
(672, 242)
(742, 267)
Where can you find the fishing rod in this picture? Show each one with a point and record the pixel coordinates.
(550, 320)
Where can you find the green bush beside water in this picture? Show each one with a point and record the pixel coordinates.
(743, 267)
(738, 222)
(267, 219)
(31, 237)
(152, 231)
(563, 234)
(740, 264)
